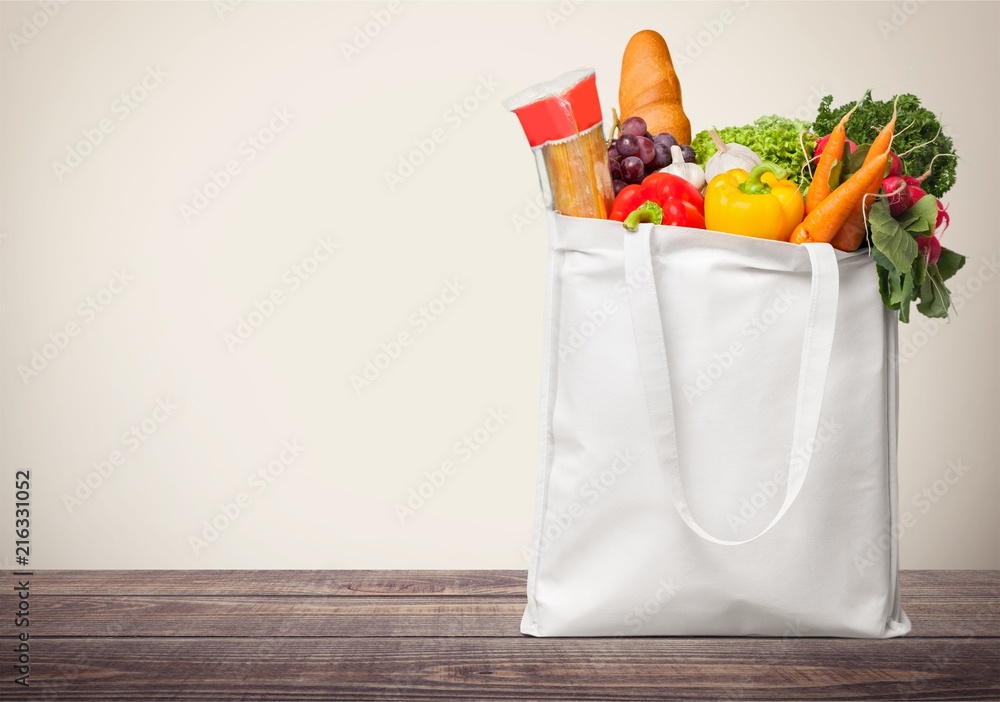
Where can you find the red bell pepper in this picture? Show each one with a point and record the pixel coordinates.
(674, 202)
(628, 199)
(660, 187)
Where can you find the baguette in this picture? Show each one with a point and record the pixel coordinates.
(650, 89)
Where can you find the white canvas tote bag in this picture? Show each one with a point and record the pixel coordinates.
(718, 444)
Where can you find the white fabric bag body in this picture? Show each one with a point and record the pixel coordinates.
(718, 444)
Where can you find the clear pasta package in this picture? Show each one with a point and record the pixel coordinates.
(562, 121)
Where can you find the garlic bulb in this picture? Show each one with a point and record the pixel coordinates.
(691, 172)
(729, 156)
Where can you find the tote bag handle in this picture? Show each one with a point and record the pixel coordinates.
(821, 322)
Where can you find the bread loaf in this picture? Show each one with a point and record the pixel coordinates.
(650, 89)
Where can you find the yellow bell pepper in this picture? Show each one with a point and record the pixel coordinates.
(761, 203)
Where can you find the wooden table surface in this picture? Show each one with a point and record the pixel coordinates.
(407, 635)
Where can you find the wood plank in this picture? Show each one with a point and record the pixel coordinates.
(483, 668)
(398, 583)
(951, 583)
(270, 616)
(357, 616)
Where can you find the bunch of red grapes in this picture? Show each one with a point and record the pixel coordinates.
(636, 153)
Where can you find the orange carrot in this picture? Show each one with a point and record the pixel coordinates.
(852, 232)
(884, 139)
(823, 223)
(819, 188)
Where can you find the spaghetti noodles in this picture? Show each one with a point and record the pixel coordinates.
(562, 120)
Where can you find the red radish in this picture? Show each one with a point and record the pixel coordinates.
(930, 248)
(899, 196)
(895, 165)
(916, 192)
(943, 216)
(821, 144)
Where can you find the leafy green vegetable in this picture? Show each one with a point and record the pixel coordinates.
(915, 125)
(881, 260)
(917, 225)
(848, 164)
(924, 209)
(883, 285)
(904, 310)
(837, 174)
(934, 296)
(857, 159)
(949, 263)
(773, 138)
(894, 242)
(919, 270)
(904, 275)
(921, 216)
(906, 295)
(901, 288)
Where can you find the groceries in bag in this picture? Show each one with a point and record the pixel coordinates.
(866, 174)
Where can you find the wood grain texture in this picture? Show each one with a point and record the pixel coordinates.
(280, 583)
(202, 615)
(277, 616)
(374, 635)
(402, 583)
(486, 668)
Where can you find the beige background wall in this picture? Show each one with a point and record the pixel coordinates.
(163, 380)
